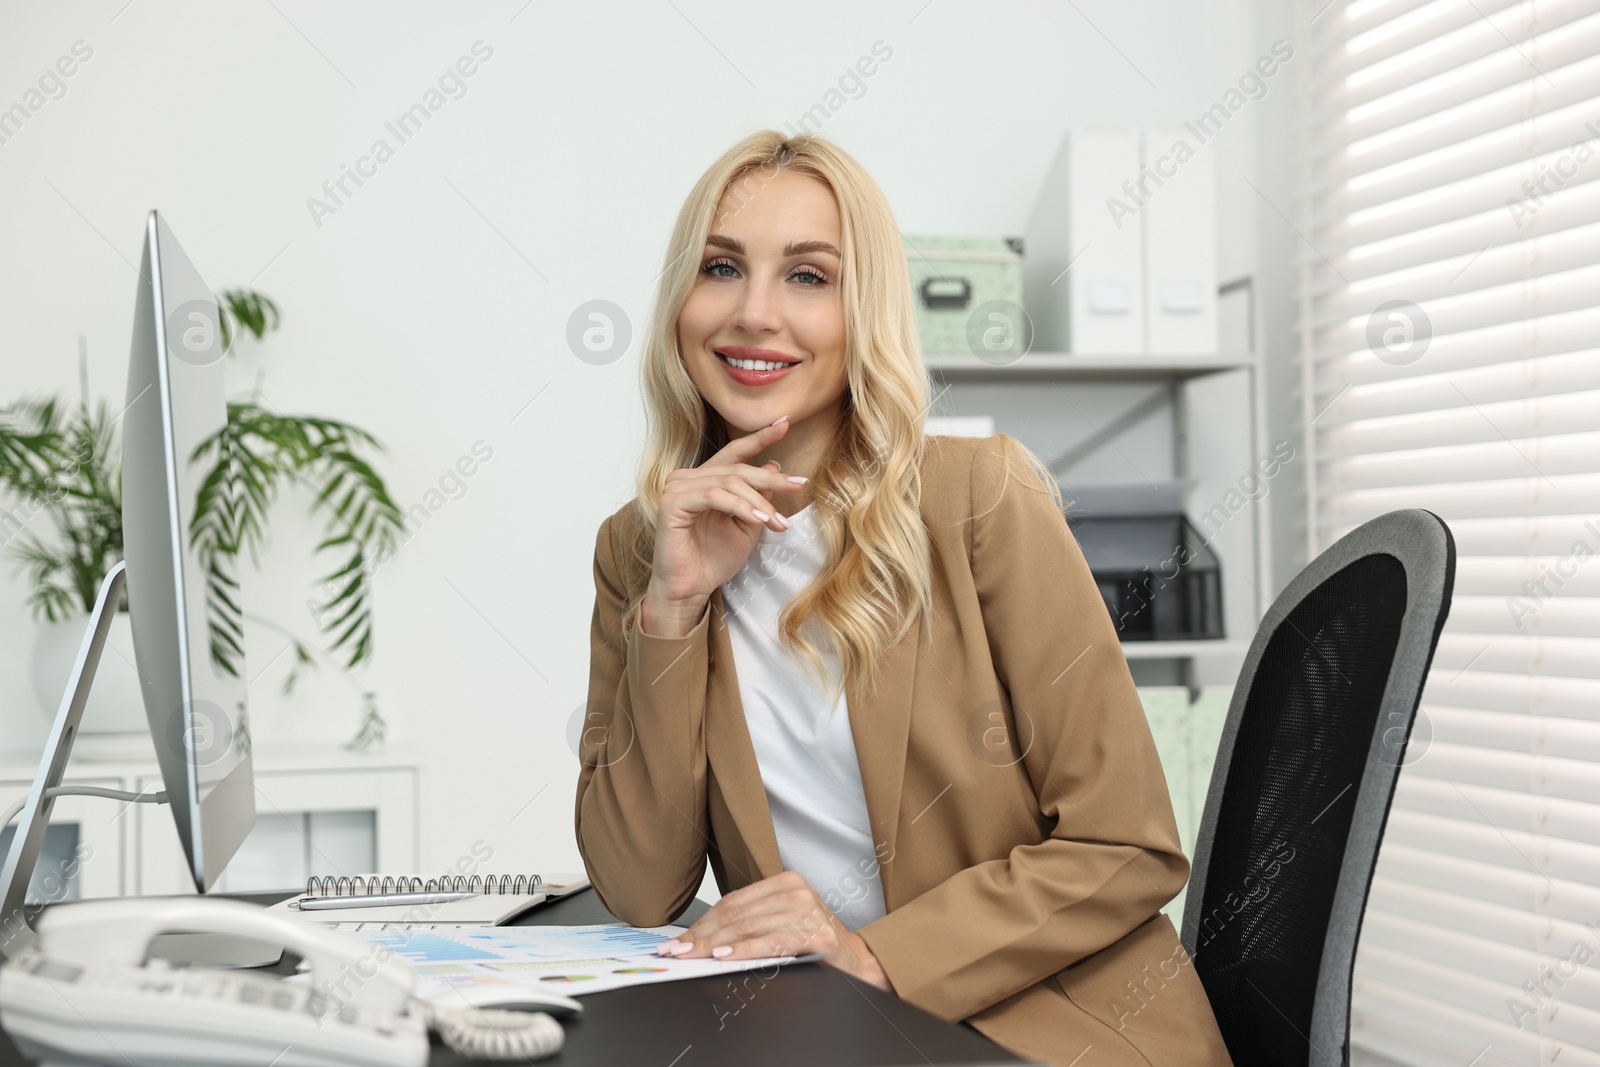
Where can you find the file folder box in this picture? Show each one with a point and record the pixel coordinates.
(1180, 244)
(955, 284)
(1085, 273)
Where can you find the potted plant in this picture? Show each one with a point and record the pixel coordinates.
(65, 473)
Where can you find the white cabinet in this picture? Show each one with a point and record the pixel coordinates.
(317, 812)
(84, 853)
(308, 821)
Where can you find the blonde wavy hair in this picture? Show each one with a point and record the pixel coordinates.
(876, 580)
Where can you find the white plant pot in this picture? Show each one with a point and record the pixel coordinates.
(113, 725)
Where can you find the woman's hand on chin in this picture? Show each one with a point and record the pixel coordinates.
(777, 916)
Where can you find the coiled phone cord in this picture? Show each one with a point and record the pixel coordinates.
(493, 1033)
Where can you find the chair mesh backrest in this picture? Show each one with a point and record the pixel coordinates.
(1299, 756)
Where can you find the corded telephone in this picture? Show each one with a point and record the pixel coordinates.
(87, 993)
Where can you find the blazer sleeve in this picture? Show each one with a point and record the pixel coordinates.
(641, 818)
(1112, 858)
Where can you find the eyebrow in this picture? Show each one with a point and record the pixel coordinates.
(793, 248)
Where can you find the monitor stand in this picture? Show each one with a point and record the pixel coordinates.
(16, 932)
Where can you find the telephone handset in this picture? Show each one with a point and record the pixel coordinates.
(87, 992)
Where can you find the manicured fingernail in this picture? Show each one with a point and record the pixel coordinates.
(782, 521)
(722, 950)
(667, 947)
(683, 946)
(797, 480)
(779, 419)
(762, 515)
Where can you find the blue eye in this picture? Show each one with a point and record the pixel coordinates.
(815, 276)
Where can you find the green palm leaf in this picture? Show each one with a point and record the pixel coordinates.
(254, 457)
(70, 468)
(72, 471)
(252, 310)
(31, 445)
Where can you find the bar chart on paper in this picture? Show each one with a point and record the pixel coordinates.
(576, 959)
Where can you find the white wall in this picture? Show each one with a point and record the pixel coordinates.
(1280, 251)
(432, 307)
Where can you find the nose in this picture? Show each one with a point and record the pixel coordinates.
(757, 312)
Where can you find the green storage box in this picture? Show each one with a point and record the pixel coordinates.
(968, 296)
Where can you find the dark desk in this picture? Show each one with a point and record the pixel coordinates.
(807, 1014)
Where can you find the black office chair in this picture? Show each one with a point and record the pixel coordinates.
(1300, 792)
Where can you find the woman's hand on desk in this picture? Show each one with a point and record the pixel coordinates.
(777, 916)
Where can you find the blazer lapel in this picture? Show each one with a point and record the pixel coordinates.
(880, 725)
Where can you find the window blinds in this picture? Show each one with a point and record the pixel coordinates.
(1451, 319)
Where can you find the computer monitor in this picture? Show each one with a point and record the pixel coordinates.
(196, 710)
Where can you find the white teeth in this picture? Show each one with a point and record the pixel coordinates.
(752, 364)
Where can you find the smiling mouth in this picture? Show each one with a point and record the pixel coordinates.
(756, 364)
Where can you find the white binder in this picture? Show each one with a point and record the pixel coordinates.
(1084, 270)
(1180, 245)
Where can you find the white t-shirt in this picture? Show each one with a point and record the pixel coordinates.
(803, 745)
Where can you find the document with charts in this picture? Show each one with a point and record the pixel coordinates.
(572, 960)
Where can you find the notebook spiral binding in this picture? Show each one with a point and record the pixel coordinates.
(358, 886)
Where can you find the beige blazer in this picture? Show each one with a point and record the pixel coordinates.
(1024, 836)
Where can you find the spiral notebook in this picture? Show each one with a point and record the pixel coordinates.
(497, 899)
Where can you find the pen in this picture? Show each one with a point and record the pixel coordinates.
(374, 900)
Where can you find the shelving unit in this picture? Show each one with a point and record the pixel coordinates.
(1183, 649)
(1067, 365)
(1212, 446)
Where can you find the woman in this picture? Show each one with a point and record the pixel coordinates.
(865, 673)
